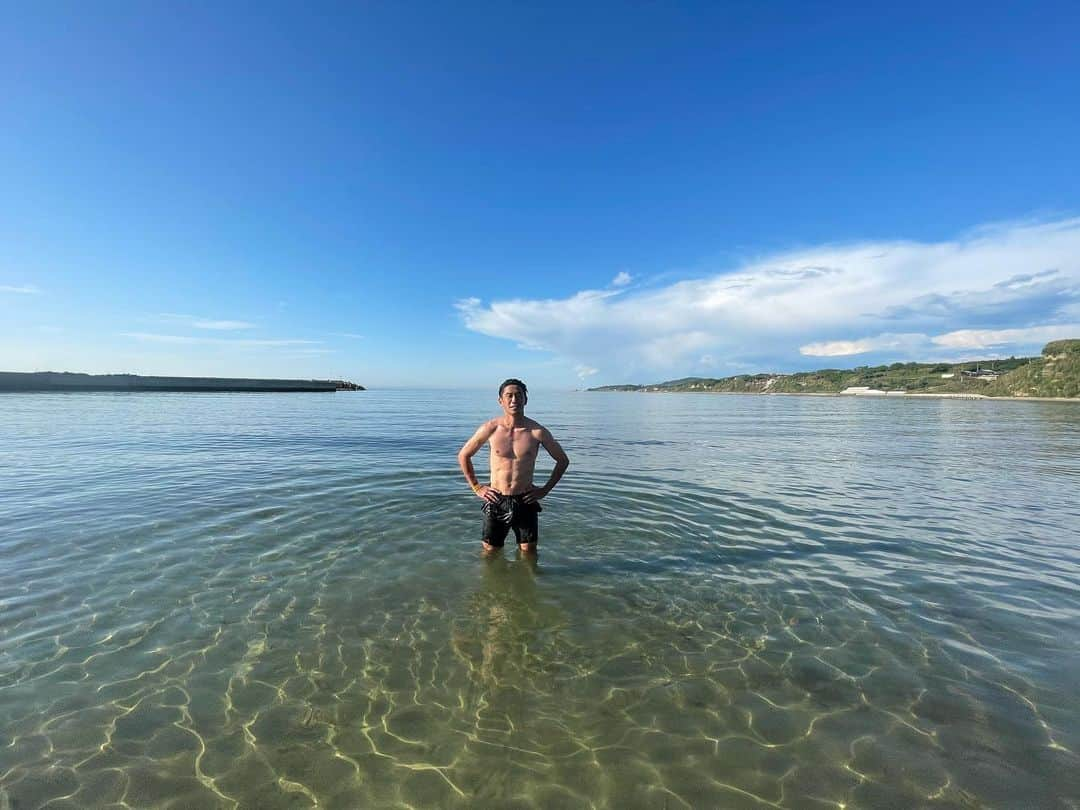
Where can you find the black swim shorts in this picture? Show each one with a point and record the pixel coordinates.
(511, 512)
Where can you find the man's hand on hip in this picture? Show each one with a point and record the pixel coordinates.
(487, 493)
(534, 495)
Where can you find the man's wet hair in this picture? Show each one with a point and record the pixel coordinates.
(518, 383)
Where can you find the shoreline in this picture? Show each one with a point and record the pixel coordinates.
(980, 397)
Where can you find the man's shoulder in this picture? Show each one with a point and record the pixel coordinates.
(536, 426)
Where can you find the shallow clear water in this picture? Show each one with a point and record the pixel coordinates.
(278, 601)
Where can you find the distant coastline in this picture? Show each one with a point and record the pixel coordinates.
(65, 381)
(1054, 376)
(879, 395)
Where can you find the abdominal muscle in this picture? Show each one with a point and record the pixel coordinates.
(512, 476)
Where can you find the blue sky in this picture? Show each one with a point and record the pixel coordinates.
(448, 194)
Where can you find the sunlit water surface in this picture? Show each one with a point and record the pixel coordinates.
(271, 601)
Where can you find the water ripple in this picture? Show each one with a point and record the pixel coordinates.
(277, 601)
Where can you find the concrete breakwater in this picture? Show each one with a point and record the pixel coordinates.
(66, 381)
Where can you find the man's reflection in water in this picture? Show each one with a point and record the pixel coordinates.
(505, 634)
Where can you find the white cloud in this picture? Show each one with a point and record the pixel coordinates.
(622, 279)
(584, 371)
(352, 335)
(960, 339)
(823, 300)
(842, 348)
(188, 340)
(994, 338)
(25, 289)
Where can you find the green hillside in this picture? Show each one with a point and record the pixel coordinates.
(1055, 374)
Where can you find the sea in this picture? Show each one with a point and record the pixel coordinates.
(280, 601)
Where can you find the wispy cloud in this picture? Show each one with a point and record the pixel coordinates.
(189, 340)
(25, 289)
(352, 335)
(196, 322)
(622, 279)
(223, 325)
(893, 299)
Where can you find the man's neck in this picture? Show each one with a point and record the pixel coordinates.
(509, 420)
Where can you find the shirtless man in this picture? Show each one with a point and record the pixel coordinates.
(510, 500)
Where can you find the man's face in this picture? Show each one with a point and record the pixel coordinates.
(512, 399)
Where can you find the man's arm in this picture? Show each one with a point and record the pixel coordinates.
(562, 461)
(464, 457)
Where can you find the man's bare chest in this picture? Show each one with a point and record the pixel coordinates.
(516, 445)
